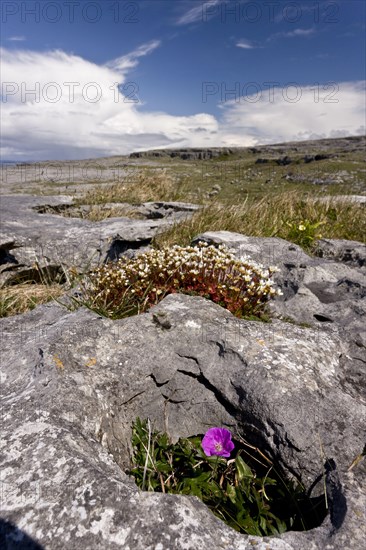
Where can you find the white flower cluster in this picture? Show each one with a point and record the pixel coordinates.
(205, 269)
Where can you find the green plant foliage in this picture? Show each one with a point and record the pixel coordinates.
(242, 495)
(131, 286)
(304, 233)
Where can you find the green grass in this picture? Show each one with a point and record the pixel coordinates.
(239, 195)
(273, 217)
(142, 186)
(236, 194)
(248, 492)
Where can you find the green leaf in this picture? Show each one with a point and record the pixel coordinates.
(231, 493)
(250, 526)
(215, 460)
(263, 524)
(231, 489)
(281, 526)
(242, 469)
(163, 467)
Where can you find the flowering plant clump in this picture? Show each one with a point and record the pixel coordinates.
(217, 441)
(240, 492)
(305, 232)
(131, 286)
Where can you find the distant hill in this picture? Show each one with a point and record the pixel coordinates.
(334, 145)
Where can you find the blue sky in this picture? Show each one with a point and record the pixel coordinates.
(178, 73)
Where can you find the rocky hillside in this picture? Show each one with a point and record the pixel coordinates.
(74, 381)
(310, 148)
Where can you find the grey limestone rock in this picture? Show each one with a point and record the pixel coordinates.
(349, 252)
(186, 154)
(73, 382)
(325, 292)
(53, 242)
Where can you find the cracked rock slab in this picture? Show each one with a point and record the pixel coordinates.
(53, 240)
(73, 382)
(325, 292)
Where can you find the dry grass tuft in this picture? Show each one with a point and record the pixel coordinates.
(275, 216)
(24, 297)
(142, 187)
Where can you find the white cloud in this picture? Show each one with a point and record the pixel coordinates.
(292, 34)
(58, 106)
(299, 32)
(131, 59)
(296, 113)
(202, 12)
(16, 38)
(245, 44)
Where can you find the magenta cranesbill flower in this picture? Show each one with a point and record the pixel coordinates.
(217, 441)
